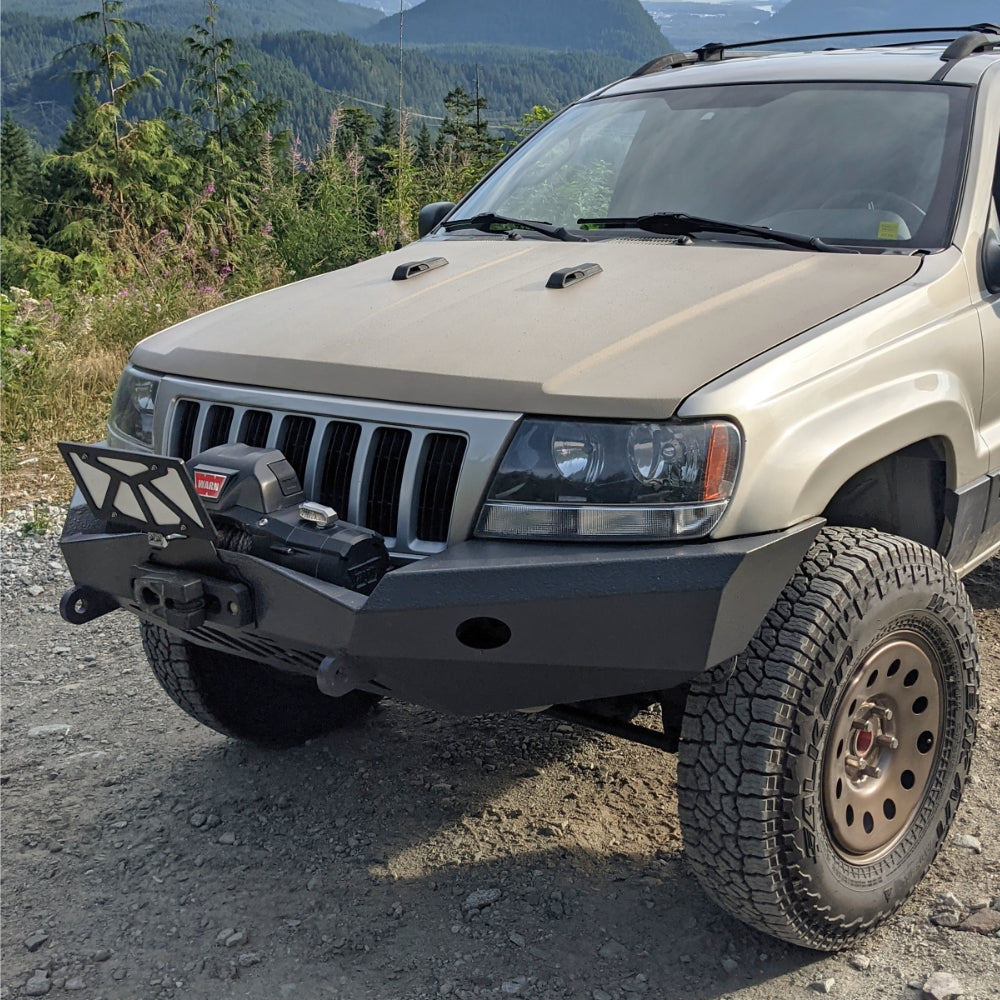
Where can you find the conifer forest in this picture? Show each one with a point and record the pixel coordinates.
(181, 182)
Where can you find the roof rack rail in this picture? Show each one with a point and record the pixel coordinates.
(966, 45)
(965, 39)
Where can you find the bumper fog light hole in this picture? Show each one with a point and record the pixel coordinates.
(483, 633)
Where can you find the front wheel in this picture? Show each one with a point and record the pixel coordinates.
(819, 776)
(245, 699)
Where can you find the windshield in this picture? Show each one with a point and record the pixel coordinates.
(872, 165)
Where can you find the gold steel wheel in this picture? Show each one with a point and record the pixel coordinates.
(883, 747)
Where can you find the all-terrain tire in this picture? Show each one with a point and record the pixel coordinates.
(818, 774)
(245, 699)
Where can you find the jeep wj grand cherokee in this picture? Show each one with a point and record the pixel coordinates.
(694, 400)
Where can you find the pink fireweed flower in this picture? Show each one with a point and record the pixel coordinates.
(209, 189)
(354, 162)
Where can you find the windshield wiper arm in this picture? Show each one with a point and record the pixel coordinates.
(488, 220)
(681, 224)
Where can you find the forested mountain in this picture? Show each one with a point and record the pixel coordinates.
(621, 27)
(689, 23)
(312, 72)
(236, 17)
(808, 16)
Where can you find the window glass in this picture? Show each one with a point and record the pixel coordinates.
(850, 162)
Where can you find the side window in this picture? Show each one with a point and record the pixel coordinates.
(996, 185)
(991, 245)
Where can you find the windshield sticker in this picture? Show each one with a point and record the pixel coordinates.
(888, 230)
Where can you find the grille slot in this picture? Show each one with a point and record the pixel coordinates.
(255, 429)
(218, 424)
(185, 422)
(296, 436)
(438, 483)
(337, 465)
(385, 486)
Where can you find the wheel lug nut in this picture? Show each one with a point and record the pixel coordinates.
(889, 742)
(861, 726)
(881, 711)
(855, 763)
(871, 771)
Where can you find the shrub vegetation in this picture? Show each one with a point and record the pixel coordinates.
(131, 225)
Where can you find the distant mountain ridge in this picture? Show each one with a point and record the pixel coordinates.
(313, 72)
(810, 16)
(236, 17)
(617, 27)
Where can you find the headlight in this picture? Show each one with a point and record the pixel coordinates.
(603, 481)
(132, 409)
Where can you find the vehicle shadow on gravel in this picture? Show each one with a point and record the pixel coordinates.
(983, 585)
(419, 853)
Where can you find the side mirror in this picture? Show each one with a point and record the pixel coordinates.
(431, 215)
(991, 262)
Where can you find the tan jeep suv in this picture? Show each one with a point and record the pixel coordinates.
(694, 400)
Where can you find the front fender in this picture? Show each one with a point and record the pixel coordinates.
(903, 368)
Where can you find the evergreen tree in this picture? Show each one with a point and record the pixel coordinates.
(132, 170)
(424, 153)
(227, 125)
(72, 217)
(111, 72)
(18, 178)
(354, 129)
(386, 149)
(465, 149)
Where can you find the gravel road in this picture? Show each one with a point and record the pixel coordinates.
(414, 856)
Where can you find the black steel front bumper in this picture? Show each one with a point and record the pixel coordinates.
(483, 626)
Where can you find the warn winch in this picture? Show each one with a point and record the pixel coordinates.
(237, 498)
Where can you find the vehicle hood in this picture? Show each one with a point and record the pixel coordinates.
(483, 331)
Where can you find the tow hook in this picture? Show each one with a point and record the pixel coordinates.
(80, 605)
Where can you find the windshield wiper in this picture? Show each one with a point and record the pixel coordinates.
(681, 224)
(488, 220)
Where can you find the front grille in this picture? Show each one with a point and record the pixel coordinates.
(398, 481)
(185, 422)
(217, 426)
(438, 484)
(386, 479)
(294, 440)
(255, 429)
(337, 463)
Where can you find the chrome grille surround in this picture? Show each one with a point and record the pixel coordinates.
(188, 417)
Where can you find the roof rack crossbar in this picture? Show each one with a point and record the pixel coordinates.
(714, 50)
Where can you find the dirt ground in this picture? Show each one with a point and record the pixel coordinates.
(416, 855)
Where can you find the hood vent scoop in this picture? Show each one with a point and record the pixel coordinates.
(567, 276)
(414, 267)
